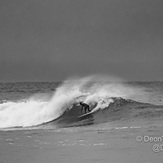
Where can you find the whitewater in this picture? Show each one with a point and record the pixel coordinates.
(99, 92)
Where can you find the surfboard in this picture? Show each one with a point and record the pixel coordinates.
(85, 114)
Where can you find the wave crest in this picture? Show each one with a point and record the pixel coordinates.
(97, 91)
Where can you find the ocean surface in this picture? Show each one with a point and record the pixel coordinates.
(30, 111)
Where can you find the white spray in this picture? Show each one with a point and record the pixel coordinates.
(92, 89)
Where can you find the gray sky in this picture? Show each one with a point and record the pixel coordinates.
(54, 39)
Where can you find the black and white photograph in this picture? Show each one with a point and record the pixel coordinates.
(81, 81)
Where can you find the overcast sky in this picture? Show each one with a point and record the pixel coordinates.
(55, 39)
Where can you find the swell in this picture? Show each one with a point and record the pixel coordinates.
(120, 109)
(109, 100)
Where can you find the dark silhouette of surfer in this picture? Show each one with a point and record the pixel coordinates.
(85, 107)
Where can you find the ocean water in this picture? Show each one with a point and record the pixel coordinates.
(31, 109)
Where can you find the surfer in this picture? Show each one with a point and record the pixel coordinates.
(85, 107)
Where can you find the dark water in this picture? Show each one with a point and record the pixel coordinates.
(20, 90)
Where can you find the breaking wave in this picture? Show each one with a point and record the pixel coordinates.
(108, 98)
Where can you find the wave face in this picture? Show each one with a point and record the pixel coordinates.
(109, 99)
(115, 110)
